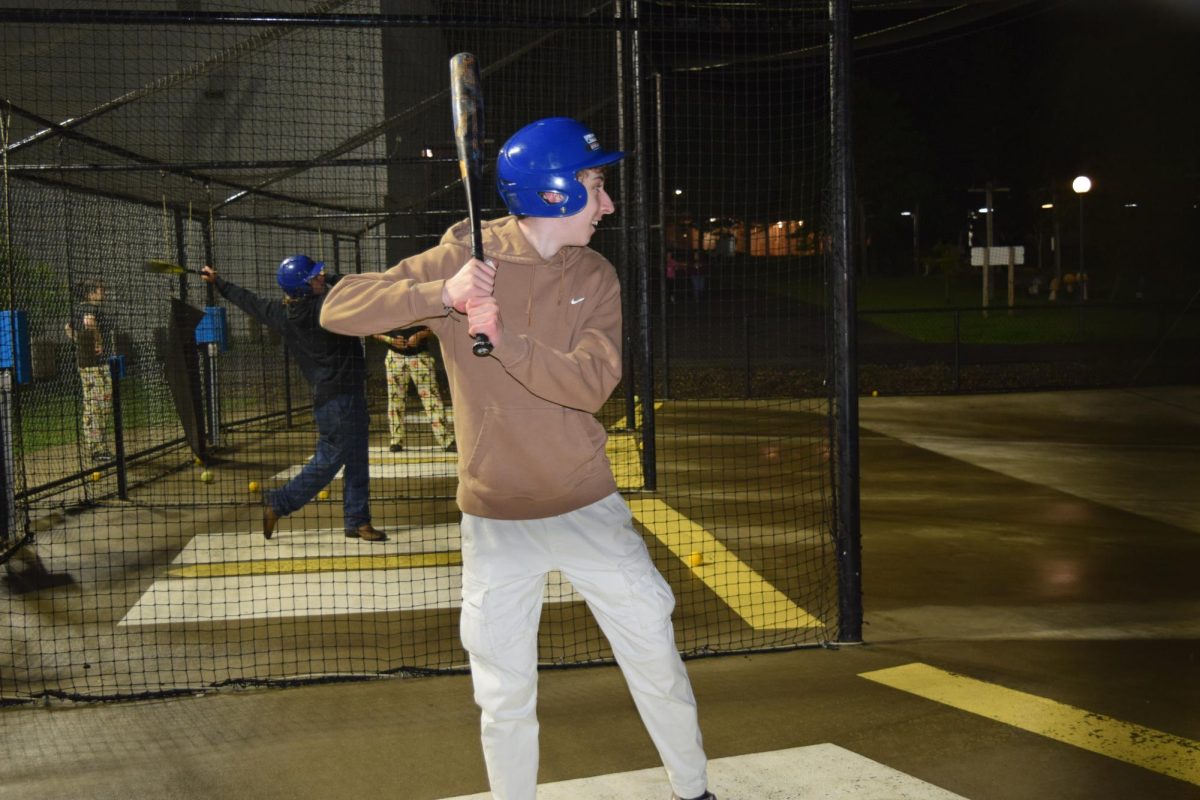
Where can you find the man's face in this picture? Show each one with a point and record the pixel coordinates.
(318, 284)
(599, 205)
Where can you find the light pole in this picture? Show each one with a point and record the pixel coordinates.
(915, 213)
(1081, 185)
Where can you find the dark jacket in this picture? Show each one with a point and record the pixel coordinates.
(93, 343)
(333, 364)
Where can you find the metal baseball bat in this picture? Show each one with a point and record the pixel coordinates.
(466, 105)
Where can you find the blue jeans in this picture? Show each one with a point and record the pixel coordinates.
(342, 441)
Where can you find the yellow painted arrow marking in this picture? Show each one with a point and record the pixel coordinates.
(750, 595)
(1134, 744)
(283, 566)
(625, 455)
(620, 425)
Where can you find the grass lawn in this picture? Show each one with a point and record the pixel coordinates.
(923, 310)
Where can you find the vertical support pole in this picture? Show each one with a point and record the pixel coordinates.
(212, 350)
(624, 251)
(847, 525)
(214, 396)
(118, 429)
(641, 236)
(664, 295)
(8, 511)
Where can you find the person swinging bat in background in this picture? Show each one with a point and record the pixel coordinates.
(333, 365)
(535, 487)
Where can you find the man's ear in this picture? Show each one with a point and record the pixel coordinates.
(554, 198)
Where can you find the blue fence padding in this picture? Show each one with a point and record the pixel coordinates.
(14, 344)
(213, 329)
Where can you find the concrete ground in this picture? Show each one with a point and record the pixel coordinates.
(1032, 631)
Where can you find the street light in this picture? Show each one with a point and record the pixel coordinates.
(916, 242)
(1081, 186)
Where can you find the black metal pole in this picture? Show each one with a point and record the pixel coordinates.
(665, 286)
(114, 373)
(847, 526)
(628, 381)
(642, 249)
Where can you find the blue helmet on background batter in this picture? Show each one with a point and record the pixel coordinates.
(294, 274)
(545, 156)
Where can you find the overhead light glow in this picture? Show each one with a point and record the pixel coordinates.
(1082, 184)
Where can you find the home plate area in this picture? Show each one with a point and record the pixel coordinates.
(303, 573)
(816, 772)
(428, 461)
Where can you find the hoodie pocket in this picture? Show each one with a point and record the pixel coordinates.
(535, 453)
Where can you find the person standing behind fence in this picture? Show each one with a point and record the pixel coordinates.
(94, 335)
(409, 358)
(535, 487)
(676, 270)
(697, 269)
(335, 368)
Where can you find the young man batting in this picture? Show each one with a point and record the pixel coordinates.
(535, 486)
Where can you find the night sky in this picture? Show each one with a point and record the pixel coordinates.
(1030, 98)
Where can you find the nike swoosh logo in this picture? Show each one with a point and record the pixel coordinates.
(577, 300)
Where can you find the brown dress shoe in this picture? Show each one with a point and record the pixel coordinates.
(270, 518)
(366, 532)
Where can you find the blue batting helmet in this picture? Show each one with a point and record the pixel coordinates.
(545, 156)
(295, 272)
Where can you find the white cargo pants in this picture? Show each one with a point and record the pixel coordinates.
(504, 574)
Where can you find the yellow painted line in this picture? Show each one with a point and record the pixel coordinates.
(1134, 744)
(625, 455)
(232, 569)
(414, 459)
(637, 416)
(751, 596)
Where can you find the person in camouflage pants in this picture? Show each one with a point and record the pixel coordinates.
(409, 358)
(93, 334)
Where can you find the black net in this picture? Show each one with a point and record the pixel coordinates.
(156, 415)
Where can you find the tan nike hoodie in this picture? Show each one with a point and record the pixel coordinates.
(529, 444)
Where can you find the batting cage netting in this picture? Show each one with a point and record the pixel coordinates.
(148, 418)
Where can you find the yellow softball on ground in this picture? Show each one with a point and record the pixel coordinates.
(323, 494)
(696, 559)
(874, 393)
(96, 476)
(253, 486)
(206, 476)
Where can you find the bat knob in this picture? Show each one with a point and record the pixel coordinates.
(482, 346)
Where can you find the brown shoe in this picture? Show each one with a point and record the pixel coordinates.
(270, 518)
(367, 533)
